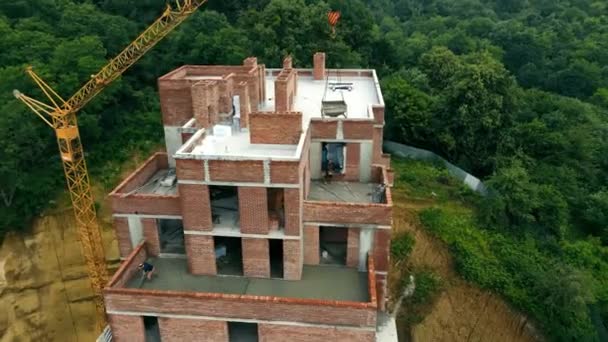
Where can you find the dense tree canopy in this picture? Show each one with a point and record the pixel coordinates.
(514, 91)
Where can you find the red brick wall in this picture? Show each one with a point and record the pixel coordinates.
(293, 218)
(378, 114)
(146, 204)
(377, 148)
(144, 172)
(186, 137)
(236, 170)
(334, 212)
(128, 268)
(382, 243)
(175, 101)
(275, 128)
(284, 172)
(127, 328)
(273, 333)
(381, 291)
(195, 206)
(324, 129)
(256, 262)
(238, 306)
(353, 154)
(201, 254)
(292, 259)
(352, 247)
(190, 169)
(356, 129)
(311, 245)
(253, 210)
(151, 236)
(121, 227)
(200, 330)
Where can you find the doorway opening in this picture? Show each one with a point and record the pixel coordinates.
(228, 255)
(224, 206)
(151, 329)
(332, 245)
(332, 159)
(171, 236)
(276, 258)
(242, 332)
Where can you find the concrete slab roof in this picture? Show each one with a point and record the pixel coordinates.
(363, 92)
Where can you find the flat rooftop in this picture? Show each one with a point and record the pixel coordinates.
(351, 192)
(362, 92)
(238, 145)
(318, 282)
(310, 94)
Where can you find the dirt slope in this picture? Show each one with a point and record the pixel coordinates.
(462, 312)
(44, 292)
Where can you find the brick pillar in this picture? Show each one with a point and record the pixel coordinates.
(381, 292)
(382, 243)
(292, 259)
(288, 63)
(251, 62)
(293, 210)
(352, 248)
(200, 106)
(200, 330)
(256, 258)
(311, 245)
(151, 236)
(253, 210)
(318, 72)
(121, 228)
(196, 207)
(281, 98)
(127, 328)
(201, 254)
(353, 154)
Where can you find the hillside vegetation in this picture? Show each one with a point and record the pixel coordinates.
(561, 285)
(514, 91)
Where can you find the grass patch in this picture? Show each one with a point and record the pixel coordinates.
(417, 306)
(402, 246)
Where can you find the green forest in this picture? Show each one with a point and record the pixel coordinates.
(513, 91)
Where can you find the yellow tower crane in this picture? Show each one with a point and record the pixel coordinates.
(61, 116)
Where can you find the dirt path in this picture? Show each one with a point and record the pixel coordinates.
(462, 312)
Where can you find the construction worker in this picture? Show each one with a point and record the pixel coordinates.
(148, 269)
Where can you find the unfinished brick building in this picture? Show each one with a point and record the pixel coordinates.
(269, 217)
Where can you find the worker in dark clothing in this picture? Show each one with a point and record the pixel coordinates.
(148, 269)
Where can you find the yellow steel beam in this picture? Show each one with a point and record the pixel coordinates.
(61, 116)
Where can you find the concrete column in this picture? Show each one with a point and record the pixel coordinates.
(366, 241)
(315, 160)
(173, 141)
(365, 161)
(136, 231)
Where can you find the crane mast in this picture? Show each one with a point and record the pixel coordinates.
(60, 115)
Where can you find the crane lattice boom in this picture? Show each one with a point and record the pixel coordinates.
(61, 116)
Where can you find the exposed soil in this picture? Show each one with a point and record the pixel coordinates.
(462, 312)
(45, 294)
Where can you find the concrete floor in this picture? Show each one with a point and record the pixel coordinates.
(153, 186)
(350, 192)
(318, 282)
